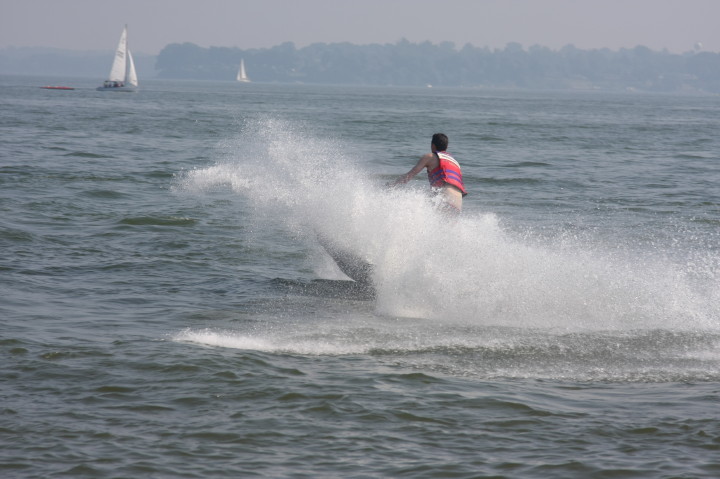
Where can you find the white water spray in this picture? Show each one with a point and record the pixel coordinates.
(470, 271)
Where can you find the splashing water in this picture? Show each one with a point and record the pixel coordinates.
(467, 271)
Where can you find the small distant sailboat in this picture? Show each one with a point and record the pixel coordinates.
(122, 74)
(241, 75)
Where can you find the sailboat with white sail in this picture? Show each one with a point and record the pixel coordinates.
(241, 75)
(122, 74)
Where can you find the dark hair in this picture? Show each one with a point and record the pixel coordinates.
(440, 140)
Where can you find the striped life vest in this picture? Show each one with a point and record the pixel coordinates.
(448, 172)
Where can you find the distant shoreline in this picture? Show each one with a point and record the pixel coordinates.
(400, 64)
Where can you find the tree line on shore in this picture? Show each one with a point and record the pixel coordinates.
(419, 64)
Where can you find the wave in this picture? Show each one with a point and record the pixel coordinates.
(86, 154)
(158, 221)
(628, 356)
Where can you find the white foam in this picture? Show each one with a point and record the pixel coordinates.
(272, 342)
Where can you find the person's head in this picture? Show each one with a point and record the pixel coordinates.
(440, 141)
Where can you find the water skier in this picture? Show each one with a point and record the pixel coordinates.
(444, 175)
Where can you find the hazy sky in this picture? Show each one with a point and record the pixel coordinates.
(96, 24)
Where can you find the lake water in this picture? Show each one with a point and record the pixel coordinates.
(168, 312)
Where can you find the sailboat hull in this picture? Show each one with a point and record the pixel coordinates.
(126, 89)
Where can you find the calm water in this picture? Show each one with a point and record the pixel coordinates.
(167, 311)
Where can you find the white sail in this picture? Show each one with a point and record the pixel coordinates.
(131, 74)
(123, 76)
(117, 72)
(242, 76)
